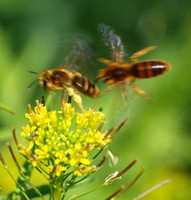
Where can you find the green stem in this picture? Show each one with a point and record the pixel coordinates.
(57, 191)
(152, 189)
(31, 184)
(51, 191)
(81, 179)
(76, 197)
(6, 108)
(21, 172)
(21, 189)
(97, 153)
(65, 189)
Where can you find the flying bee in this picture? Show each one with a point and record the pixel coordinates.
(62, 79)
(119, 72)
(68, 81)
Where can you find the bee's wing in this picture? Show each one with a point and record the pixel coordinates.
(80, 53)
(112, 41)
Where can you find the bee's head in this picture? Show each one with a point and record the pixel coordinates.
(45, 79)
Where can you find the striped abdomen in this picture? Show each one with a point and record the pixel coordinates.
(85, 86)
(149, 69)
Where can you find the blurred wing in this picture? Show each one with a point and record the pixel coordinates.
(80, 52)
(112, 41)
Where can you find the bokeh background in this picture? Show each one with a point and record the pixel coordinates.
(36, 35)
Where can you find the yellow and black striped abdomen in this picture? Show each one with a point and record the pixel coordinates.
(85, 86)
(149, 69)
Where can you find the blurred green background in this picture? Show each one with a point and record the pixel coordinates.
(35, 35)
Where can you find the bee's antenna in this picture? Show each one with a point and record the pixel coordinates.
(33, 72)
(32, 83)
(96, 80)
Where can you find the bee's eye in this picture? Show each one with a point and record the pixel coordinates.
(45, 83)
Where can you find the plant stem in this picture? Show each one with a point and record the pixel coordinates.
(7, 169)
(152, 189)
(76, 197)
(57, 191)
(21, 172)
(6, 108)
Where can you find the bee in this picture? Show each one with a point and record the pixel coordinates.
(68, 81)
(119, 72)
(62, 79)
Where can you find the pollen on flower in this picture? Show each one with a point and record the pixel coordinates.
(63, 139)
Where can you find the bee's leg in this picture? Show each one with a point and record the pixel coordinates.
(43, 100)
(69, 99)
(107, 90)
(76, 97)
(63, 99)
(133, 58)
(105, 61)
(139, 91)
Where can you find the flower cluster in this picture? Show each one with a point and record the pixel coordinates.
(61, 146)
(63, 139)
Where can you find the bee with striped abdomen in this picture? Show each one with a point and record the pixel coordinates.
(62, 79)
(68, 81)
(118, 72)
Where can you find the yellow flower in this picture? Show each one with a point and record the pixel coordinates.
(82, 169)
(42, 153)
(59, 170)
(28, 132)
(58, 146)
(81, 121)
